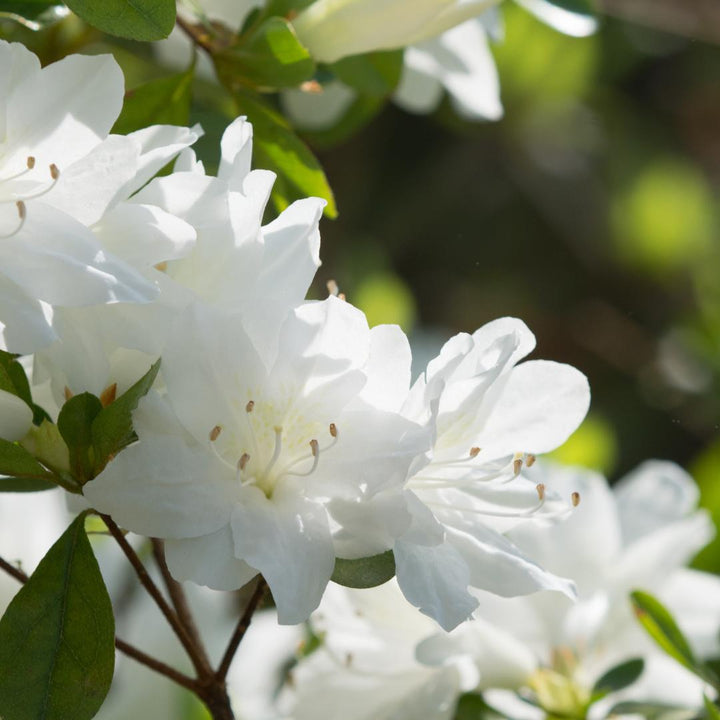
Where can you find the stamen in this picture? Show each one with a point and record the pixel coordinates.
(315, 450)
(243, 461)
(215, 433)
(575, 499)
(333, 430)
(249, 407)
(54, 172)
(474, 452)
(517, 466)
(540, 490)
(530, 460)
(22, 213)
(276, 452)
(30, 162)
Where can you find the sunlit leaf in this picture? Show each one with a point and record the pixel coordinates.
(133, 19)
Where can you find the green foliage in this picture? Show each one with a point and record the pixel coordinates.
(163, 101)
(57, 649)
(365, 572)
(711, 710)
(385, 298)
(653, 711)
(278, 148)
(376, 74)
(14, 381)
(26, 473)
(132, 19)
(75, 425)
(271, 56)
(593, 445)
(618, 677)
(573, 17)
(471, 706)
(34, 14)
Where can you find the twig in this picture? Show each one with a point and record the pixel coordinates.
(121, 645)
(157, 596)
(241, 629)
(177, 595)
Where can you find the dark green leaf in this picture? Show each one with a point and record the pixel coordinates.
(619, 677)
(286, 7)
(13, 378)
(34, 14)
(471, 706)
(112, 427)
(365, 572)
(165, 101)
(271, 57)
(26, 473)
(662, 628)
(132, 19)
(278, 148)
(75, 425)
(375, 74)
(57, 637)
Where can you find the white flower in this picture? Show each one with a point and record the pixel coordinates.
(332, 29)
(237, 467)
(380, 659)
(488, 415)
(49, 119)
(638, 536)
(15, 417)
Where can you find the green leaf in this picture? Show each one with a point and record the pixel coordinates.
(112, 427)
(25, 473)
(662, 628)
(652, 711)
(270, 57)
(33, 14)
(14, 380)
(618, 677)
(57, 637)
(364, 572)
(75, 425)
(278, 148)
(376, 74)
(165, 101)
(471, 706)
(711, 710)
(132, 19)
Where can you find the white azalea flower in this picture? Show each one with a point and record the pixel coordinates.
(60, 176)
(640, 535)
(380, 659)
(238, 465)
(333, 29)
(488, 416)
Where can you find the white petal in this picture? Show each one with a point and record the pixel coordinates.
(236, 153)
(542, 403)
(208, 560)
(560, 19)
(435, 580)
(64, 112)
(15, 417)
(653, 495)
(288, 540)
(25, 323)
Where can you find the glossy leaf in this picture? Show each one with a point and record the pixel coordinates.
(75, 425)
(112, 427)
(23, 472)
(271, 57)
(57, 649)
(662, 628)
(364, 572)
(278, 148)
(619, 677)
(132, 19)
(165, 101)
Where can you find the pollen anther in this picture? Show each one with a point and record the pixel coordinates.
(215, 433)
(575, 499)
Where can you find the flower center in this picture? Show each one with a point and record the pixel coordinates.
(263, 455)
(23, 186)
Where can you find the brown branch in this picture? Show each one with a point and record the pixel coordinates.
(157, 596)
(121, 645)
(241, 629)
(179, 601)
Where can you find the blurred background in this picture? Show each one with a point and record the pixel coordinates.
(590, 211)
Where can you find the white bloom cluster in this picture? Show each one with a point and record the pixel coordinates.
(282, 433)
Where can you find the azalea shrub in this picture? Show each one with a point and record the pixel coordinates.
(225, 495)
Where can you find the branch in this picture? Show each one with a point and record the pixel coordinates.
(157, 596)
(241, 629)
(16, 572)
(179, 600)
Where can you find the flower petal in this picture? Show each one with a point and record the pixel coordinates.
(15, 417)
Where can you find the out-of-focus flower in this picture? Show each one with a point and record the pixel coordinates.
(238, 466)
(333, 29)
(489, 418)
(640, 535)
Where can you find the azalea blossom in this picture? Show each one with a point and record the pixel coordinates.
(237, 466)
(52, 119)
(490, 417)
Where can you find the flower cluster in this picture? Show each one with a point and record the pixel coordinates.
(282, 433)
